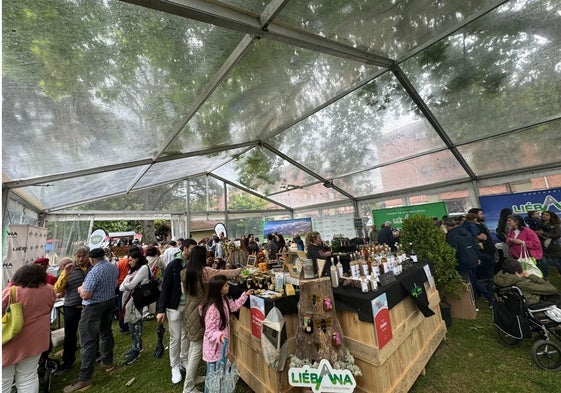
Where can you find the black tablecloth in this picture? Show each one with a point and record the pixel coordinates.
(353, 299)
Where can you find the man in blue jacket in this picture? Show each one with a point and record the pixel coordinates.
(467, 255)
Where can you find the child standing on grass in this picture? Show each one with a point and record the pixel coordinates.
(216, 317)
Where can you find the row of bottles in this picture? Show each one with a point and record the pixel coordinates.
(369, 262)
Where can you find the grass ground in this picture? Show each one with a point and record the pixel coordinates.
(469, 360)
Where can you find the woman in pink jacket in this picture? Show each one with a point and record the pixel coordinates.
(20, 355)
(519, 236)
(216, 316)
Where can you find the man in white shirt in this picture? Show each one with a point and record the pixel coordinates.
(170, 252)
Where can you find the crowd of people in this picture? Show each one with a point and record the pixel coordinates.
(96, 291)
(482, 264)
(193, 279)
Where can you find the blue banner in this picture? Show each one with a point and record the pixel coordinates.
(520, 203)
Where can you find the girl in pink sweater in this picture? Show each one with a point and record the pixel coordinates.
(216, 316)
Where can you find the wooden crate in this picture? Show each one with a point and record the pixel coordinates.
(397, 365)
(246, 352)
(392, 369)
(464, 307)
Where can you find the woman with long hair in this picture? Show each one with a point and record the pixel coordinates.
(156, 266)
(216, 316)
(194, 290)
(550, 239)
(139, 273)
(502, 231)
(20, 355)
(520, 237)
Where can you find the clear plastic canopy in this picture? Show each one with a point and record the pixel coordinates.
(300, 103)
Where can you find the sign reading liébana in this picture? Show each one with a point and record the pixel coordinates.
(322, 379)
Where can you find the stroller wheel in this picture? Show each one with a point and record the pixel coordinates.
(547, 355)
(46, 381)
(51, 365)
(505, 339)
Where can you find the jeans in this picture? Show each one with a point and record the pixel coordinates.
(72, 316)
(136, 335)
(478, 287)
(178, 344)
(96, 318)
(486, 270)
(194, 357)
(25, 373)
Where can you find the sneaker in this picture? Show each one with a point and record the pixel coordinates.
(176, 376)
(108, 367)
(132, 357)
(64, 367)
(79, 386)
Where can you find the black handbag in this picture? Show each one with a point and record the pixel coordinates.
(146, 294)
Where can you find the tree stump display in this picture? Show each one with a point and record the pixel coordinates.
(318, 334)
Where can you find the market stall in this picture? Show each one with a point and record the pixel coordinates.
(390, 361)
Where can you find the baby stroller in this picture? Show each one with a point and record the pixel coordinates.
(515, 320)
(47, 365)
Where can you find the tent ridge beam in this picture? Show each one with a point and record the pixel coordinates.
(431, 118)
(307, 170)
(316, 109)
(245, 189)
(244, 22)
(20, 183)
(237, 54)
(484, 11)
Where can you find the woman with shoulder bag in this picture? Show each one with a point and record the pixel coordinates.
(550, 234)
(20, 355)
(138, 274)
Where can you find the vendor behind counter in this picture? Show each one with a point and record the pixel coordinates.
(317, 249)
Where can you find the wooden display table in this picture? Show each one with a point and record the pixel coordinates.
(394, 368)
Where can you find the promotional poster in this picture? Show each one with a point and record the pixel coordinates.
(520, 203)
(397, 214)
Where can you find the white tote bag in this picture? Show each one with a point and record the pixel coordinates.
(529, 263)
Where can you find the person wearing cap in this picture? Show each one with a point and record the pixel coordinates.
(67, 285)
(44, 262)
(98, 298)
(532, 286)
(172, 304)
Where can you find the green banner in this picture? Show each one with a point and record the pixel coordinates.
(397, 214)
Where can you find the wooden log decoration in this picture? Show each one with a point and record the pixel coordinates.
(319, 335)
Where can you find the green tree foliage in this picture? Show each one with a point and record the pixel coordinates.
(241, 202)
(430, 245)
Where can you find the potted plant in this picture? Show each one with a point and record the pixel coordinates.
(430, 245)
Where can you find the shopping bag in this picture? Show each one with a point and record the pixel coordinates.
(529, 263)
(12, 320)
(146, 294)
(222, 375)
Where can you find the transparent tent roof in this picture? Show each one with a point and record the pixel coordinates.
(299, 102)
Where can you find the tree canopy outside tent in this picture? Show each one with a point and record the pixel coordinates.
(109, 105)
